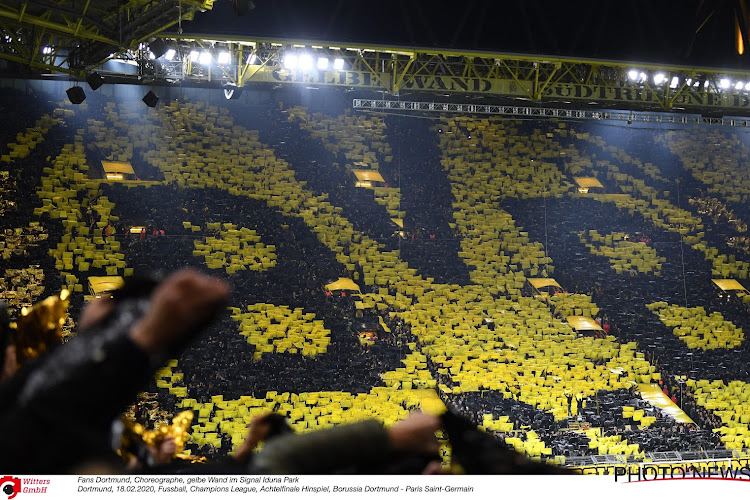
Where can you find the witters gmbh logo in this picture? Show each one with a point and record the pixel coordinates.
(672, 472)
(10, 486)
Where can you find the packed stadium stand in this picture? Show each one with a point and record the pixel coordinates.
(279, 200)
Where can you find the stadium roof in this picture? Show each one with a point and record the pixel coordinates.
(688, 32)
(672, 55)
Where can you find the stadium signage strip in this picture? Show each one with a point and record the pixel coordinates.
(527, 111)
(488, 86)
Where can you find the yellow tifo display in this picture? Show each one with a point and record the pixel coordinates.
(623, 255)
(305, 411)
(572, 304)
(79, 248)
(698, 329)
(234, 249)
(644, 199)
(17, 240)
(360, 138)
(445, 317)
(273, 328)
(718, 161)
(731, 402)
(27, 141)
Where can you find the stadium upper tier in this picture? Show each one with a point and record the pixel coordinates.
(440, 224)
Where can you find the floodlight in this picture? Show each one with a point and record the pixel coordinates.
(674, 83)
(252, 58)
(205, 58)
(338, 64)
(706, 83)
(290, 61)
(47, 50)
(723, 83)
(738, 86)
(747, 86)
(659, 78)
(633, 74)
(224, 57)
(170, 54)
(643, 76)
(322, 63)
(306, 62)
(194, 55)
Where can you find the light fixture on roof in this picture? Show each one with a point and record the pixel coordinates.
(150, 99)
(289, 61)
(322, 63)
(76, 94)
(338, 64)
(747, 86)
(224, 57)
(306, 62)
(252, 58)
(205, 58)
(659, 78)
(158, 48)
(674, 83)
(633, 74)
(642, 76)
(94, 80)
(169, 55)
(738, 86)
(723, 83)
(232, 93)
(194, 55)
(47, 50)
(706, 84)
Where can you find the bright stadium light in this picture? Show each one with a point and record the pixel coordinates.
(338, 64)
(706, 84)
(674, 83)
(633, 74)
(170, 54)
(747, 86)
(659, 78)
(205, 58)
(194, 55)
(252, 58)
(643, 76)
(224, 57)
(47, 50)
(723, 83)
(738, 86)
(306, 62)
(322, 63)
(290, 61)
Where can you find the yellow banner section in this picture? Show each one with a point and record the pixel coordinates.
(654, 395)
(361, 79)
(697, 96)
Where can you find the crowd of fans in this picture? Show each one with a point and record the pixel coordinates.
(222, 362)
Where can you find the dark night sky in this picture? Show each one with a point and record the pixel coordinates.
(630, 30)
